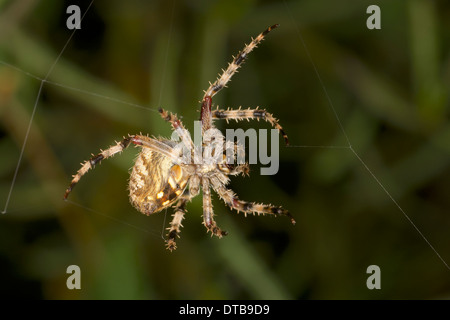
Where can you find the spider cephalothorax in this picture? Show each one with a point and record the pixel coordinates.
(165, 174)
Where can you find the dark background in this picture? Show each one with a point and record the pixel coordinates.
(388, 87)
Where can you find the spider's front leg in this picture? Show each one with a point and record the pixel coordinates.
(208, 214)
(225, 77)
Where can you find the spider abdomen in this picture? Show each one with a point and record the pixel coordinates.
(156, 182)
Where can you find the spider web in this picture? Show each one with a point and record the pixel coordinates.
(45, 81)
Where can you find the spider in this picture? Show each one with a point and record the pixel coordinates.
(162, 177)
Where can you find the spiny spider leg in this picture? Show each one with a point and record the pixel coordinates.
(143, 141)
(230, 198)
(228, 166)
(180, 210)
(220, 83)
(205, 114)
(90, 164)
(177, 125)
(175, 224)
(248, 114)
(208, 214)
(235, 170)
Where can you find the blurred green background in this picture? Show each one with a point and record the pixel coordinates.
(389, 88)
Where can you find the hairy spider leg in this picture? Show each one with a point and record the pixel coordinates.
(227, 166)
(140, 140)
(175, 225)
(180, 211)
(178, 127)
(208, 213)
(247, 114)
(222, 80)
(230, 198)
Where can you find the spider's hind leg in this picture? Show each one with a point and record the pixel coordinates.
(208, 215)
(230, 198)
(175, 225)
